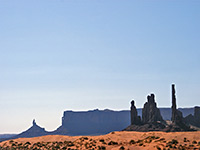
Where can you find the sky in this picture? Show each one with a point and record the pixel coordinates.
(58, 55)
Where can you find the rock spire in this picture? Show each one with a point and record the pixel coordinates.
(135, 119)
(150, 112)
(177, 117)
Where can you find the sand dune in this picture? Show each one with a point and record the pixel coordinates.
(112, 141)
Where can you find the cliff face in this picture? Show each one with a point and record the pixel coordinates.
(98, 122)
(93, 122)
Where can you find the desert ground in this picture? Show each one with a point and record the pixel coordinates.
(112, 141)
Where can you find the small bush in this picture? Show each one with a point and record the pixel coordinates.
(112, 143)
(101, 147)
(102, 141)
(174, 141)
(132, 142)
(194, 142)
(11, 141)
(140, 144)
(158, 148)
(122, 148)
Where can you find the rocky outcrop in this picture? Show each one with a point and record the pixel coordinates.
(197, 113)
(177, 117)
(151, 117)
(150, 112)
(135, 119)
(153, 121)
(194, 120)
(33, 131)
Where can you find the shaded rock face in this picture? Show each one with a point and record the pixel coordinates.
(197, 113)
(177, 117)
(156, 126)
(95, 122)
(153, 121)
(135, 119)
(194, 120)
(33, 131)
(150, 112)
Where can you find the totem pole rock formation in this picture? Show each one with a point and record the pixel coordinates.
(153, 121)
(177, 117)
(135, 119)
(150, 112)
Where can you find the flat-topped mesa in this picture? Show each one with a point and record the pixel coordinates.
(135, 119)
(150, 112)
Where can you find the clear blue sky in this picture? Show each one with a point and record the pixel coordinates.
(58, 55)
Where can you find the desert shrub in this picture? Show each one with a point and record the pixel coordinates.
(198, 143)
(101, 147)
(153, 137)
(66, 142)
(148, 140)
(11, 141)
(191, 145)
(157, 137)
(169, 144)
(27, 143)
(158, 148)
(112, 143)
(174, 141)
(85, 138)
(57, 147)
(112, 132)
(162, 139)
(94, 141)
(194, 142)
(102, 141)
(132, 142)
(20, 144)
(122, 148)
(140, 144)
(185, 139)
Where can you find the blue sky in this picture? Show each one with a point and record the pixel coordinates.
(58, 55)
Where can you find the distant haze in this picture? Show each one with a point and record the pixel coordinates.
(58, 55)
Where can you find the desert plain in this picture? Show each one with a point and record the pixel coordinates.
(120, 140)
